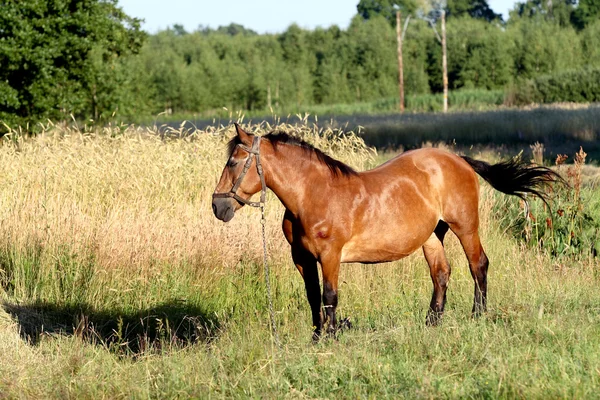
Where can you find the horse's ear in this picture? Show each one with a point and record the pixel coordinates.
(245, 137)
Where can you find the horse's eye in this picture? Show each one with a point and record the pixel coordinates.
(232, 163)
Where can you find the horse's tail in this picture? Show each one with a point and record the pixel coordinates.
(516, 177)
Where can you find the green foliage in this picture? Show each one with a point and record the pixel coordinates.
(590, 44)
(57, 56)
(478, 56)
(386, 8)
(231, 29)
(207, 70)
(586, 13)
(556, 11)
(86, 58)
(540, 47)
(574, 86)
(478, 9)
(571, 228)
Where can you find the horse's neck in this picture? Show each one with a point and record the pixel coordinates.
(291, 172)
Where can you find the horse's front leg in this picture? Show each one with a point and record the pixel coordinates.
(307, 266)
(330, 264)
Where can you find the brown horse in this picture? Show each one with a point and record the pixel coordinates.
(337, 215)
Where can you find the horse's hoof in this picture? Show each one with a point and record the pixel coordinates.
(316, 337)
(433, 318)
(345, 324)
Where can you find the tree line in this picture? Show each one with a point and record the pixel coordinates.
(88, 59)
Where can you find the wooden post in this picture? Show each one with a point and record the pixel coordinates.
(444, 62)
(400, 67)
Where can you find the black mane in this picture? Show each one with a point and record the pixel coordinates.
(336, 167)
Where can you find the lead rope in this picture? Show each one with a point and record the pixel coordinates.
(274, 333)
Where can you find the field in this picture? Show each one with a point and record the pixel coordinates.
(561, 128)
(458, 101)
(116, 281)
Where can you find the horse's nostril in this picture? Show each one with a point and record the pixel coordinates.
(214, 209)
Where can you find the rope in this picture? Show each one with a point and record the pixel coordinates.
(274, 333)
(255, 151)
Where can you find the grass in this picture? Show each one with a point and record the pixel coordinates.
(458, 101)
(117, 282)
(562, 128)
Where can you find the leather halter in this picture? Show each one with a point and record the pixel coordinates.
(254, 151)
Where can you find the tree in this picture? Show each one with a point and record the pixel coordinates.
(373, 68)
(386, 8)
(590, 43)
(479, 56)
(478, 9)
(558, 11)
(60, 57)
(587, 12)
(541, 47)
(179, 30)
(235, 29)
(295, 55)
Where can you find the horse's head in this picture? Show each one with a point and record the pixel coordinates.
(242, 176)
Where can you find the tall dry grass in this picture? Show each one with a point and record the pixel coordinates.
(133, 197)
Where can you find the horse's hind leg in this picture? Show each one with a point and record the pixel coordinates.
(439, 268)
(478, 263)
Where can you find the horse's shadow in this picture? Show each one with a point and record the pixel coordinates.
(173, 323)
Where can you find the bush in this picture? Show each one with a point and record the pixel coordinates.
(572, 227)
(579, 86)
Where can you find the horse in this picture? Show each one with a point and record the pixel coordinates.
(334, 214)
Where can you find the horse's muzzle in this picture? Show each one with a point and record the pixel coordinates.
(223, 209)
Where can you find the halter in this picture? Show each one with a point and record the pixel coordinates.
(254, 151)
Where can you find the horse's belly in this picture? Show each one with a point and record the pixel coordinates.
(368, 256)
(389, 240)
(375, 251)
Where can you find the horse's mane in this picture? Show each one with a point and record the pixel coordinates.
(336, 167)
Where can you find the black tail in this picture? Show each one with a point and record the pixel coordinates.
(516, 177)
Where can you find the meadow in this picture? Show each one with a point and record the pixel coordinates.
(561, 128)
(116, 281)
(458, 101)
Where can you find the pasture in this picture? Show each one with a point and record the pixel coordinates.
(562, 128)
(116, 281)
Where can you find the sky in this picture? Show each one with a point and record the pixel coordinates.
(262, 16)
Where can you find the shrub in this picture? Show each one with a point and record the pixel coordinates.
(579, 86)
(571, 228)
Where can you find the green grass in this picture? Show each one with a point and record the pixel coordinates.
(560, 130)
(540, 338)
(458, 100)
(117, 282)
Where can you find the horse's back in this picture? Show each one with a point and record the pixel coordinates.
(435, 171)
(425, 159)
(452, 184)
